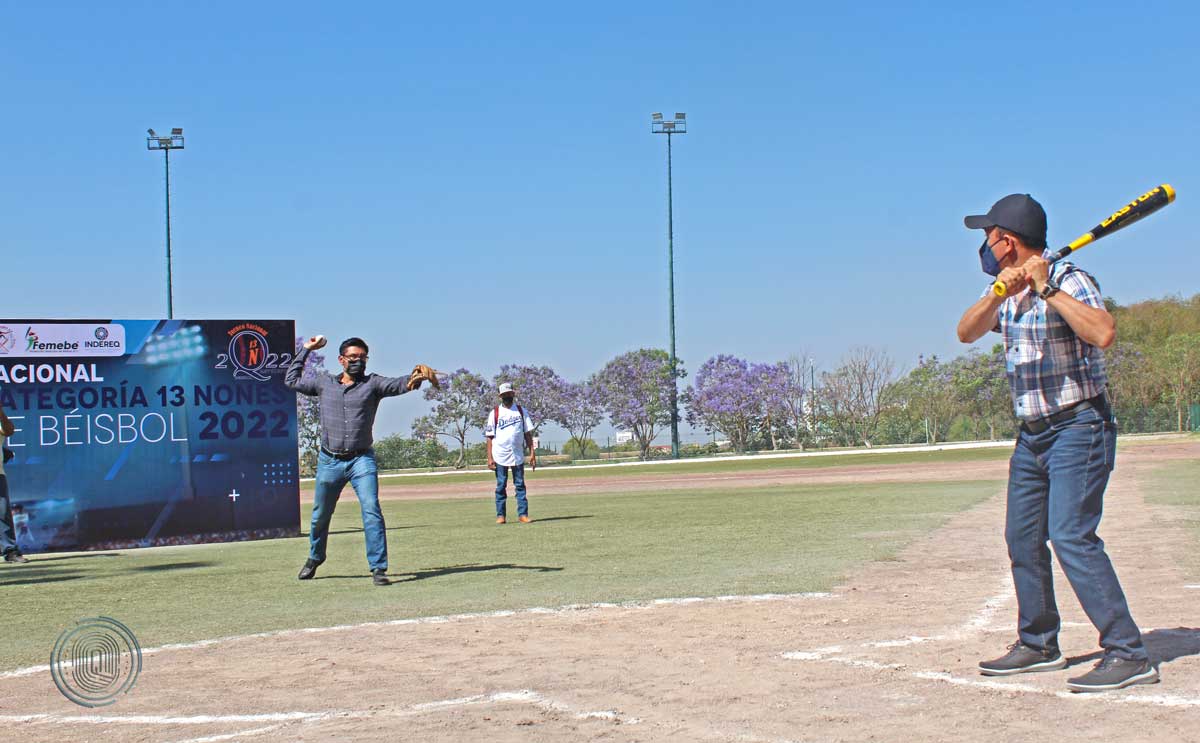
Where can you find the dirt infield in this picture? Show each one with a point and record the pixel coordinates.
(888, 656)
(837, 475)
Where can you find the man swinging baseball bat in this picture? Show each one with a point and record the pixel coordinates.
(1055, 325)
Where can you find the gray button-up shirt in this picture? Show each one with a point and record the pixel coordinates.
(347, 411)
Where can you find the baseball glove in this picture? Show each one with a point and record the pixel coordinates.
(422, 373)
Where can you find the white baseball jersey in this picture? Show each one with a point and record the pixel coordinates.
(508, 434)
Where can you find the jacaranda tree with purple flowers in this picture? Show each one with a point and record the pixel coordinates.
(725, 398)
(538, 388)
(580, 410)
(773, 385)
(636, 389)
(459, 407)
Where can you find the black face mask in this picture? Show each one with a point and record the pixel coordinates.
(507, 399)
(356, 368)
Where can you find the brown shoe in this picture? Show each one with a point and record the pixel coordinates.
(524, 519)
(500, 520)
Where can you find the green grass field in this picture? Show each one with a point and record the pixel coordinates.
(742, 465)
(448, 556)
(1174, 484)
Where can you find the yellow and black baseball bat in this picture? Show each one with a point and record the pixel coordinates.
(1142, 206)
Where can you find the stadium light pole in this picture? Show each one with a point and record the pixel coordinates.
(172, 142)
(677, 126)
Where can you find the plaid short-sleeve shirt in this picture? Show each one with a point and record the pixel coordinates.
(1049, 367)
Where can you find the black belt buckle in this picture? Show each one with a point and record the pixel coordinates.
(346, 456)
(1042, 424)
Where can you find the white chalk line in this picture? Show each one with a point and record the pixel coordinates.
(448, 618)
(830, 655)
(232, 736)
(524, 696)
(983, 618)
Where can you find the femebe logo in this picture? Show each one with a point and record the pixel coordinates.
(68, 339)
(36, 345)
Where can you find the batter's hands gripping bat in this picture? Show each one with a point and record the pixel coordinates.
(1143, 206)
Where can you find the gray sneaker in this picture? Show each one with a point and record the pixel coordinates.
(1115, 673)
(1021, 658)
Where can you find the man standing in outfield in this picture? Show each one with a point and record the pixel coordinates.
(1054, 325)
(508, 433)
(8, 531)
(349, 402)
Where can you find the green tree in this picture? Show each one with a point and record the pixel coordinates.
(581, 449)
(1177, 363)
(980, 391)
(399, 452)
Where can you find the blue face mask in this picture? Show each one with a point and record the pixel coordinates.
(987, 260)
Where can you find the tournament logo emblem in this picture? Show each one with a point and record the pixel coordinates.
(7, 339)
(101, 333)
(248, 351)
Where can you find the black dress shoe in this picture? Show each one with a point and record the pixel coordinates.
(379, 578)
(15, 557)
(309, 569)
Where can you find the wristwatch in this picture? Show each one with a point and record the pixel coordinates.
(1049, 290)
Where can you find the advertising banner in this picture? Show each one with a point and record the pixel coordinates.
(148, 432)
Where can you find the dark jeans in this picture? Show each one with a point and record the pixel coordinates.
(363, 476)
(518, 476)
(8, 532)
(1056, 482)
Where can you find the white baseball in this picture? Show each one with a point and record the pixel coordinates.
(318, 339)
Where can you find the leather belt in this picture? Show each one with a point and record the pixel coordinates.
(1041, 425)
(345, 456)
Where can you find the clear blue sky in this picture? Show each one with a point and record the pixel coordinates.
(474, 184)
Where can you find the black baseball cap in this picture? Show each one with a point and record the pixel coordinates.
(1019, 213)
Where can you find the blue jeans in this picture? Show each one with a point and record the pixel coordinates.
(8, 532)
(1056, 482)
(332, 476)
(518, 476)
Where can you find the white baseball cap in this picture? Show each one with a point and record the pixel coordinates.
(506, 388)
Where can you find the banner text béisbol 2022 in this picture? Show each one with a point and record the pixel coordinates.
(148, 432)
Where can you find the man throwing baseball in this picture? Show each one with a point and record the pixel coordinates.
(349, 402)
(1054, 325)
(508, 432)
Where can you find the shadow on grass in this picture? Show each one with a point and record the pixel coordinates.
(39, 558)
(1163, 645)
(173, 566)
(563, 518)
(409, 577)
(25, 579)
(35, 572)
